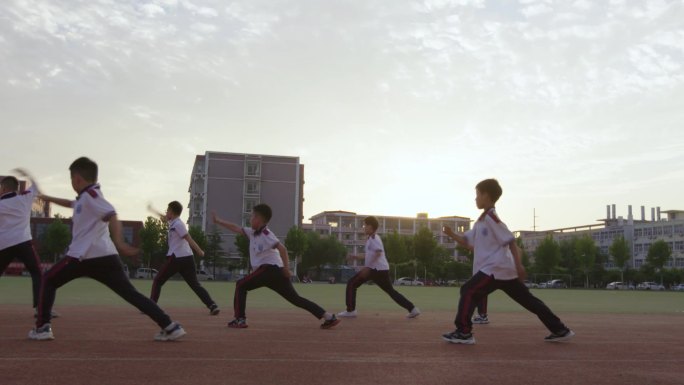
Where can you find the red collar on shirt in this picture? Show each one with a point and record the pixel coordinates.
(89, 189)
(261, 230)
(8, 195)
(491, 212)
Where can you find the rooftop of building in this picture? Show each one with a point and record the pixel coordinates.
(353, 214)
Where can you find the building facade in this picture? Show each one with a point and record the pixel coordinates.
(231, 184)
(639, 234)
(348, 228)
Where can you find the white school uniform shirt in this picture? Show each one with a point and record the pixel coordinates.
(90, 231)
(373, 245)
(177, 245)
(490, 239)
(15, 217)
(262, 247)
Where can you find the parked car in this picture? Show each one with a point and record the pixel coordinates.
(531, 285)
(650, 286)
(619, 286)
(679, 287)
(204, 276)
(144, 272)
(406, 281)
(557, 284)
(543, 285)
(453, 282)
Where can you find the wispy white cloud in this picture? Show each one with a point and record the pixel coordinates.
(552, 96)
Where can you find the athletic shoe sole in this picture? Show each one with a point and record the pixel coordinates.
(214, 311)
(330, 325)
(561, 339)
(458, 341)
(41, 336)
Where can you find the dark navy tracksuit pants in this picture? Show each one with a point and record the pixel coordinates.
(271, 276)
(26, 253)
(186, 267)
(106, 270)
(481, 285)
(382, 279)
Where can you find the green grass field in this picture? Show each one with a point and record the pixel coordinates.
(17, 290)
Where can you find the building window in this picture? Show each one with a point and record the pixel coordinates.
(252, 187)
(249, 205)
(253, 169)
(679, 246)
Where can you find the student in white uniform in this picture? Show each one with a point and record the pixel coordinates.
(15, 228)
(270, 268)
(376, 269)
(179, 258)
(96, 236)
(498, 265)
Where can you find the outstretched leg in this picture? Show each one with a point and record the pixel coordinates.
(382, 278)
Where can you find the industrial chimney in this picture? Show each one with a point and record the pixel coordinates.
(643, 213)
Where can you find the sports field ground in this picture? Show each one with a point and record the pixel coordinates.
(622, 338)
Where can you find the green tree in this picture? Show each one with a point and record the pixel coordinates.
(57, 238)
(213, 249)
(585, 250)
(153, 239)
(242, 244)
(199, 236)
(658, 254)
(547, 255)
(296, 244)
(619, 250)
(322, 251)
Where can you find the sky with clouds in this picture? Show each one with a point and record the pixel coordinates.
(395, 107)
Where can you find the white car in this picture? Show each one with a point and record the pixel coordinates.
(650, 286)
(531, 285)
(204, 276)
(406, 281)
(619, 286)
(144, 272)
(679, 287)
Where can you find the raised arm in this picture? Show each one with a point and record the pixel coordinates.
(156, 212)
(459, 238)
(194, 245)
(24, 173)
(58, 201)
(116, 232)
(229, 225)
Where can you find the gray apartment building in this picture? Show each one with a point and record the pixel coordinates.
(230, 184)
(347, 226)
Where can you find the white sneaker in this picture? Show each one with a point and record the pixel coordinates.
(171, 333)
(347, 314)
(43, 333)
(480, 319)
(415, 312)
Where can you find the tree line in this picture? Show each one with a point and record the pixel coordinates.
(583, 261)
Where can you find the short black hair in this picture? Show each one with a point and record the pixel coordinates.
(490, 187)
(372, 222)
(176, 207)
(84, 167)
(10, 183)
(264, 211)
